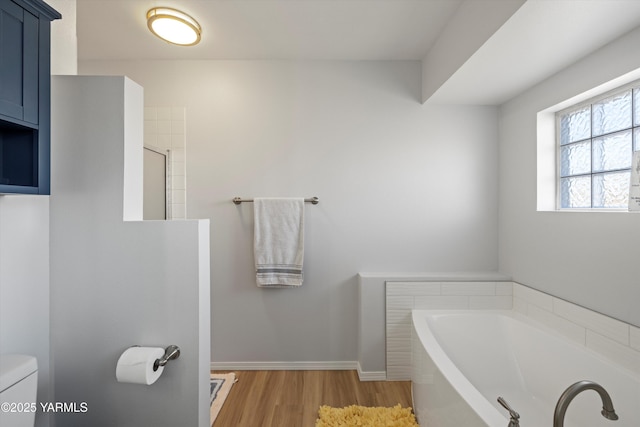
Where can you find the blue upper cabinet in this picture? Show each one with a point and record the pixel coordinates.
(25, 87)
(18, 63)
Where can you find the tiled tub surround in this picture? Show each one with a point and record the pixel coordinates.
(617, 341)
(402, 297)
(164, 128)
(613, 339)
(372, 327)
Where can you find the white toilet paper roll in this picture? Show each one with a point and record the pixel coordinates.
(135, 365)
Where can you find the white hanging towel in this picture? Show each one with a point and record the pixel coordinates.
(278, 241)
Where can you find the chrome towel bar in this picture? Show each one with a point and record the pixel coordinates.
(238, 200)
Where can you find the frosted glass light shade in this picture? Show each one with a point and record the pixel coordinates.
(173, 26)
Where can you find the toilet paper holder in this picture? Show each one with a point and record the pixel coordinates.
(170, 353)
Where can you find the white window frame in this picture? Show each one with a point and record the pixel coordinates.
(547, 151)
(558, 147)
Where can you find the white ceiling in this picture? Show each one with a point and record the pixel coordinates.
(268, 29)
(540, 39)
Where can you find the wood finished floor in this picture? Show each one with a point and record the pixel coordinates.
(292, 398)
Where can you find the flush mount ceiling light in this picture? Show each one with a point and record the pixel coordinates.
(173, 26)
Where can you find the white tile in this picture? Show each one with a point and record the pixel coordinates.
(398, 358)
(397, 373)
(150, 113)
(164, 113)
(164, 141)
(399, 302)
(178, 182)
(164, 127)
(394, 288)
(531, 296)
(177, 140)
(150, 127)
(178, 211)
(520, 305)
(444, 302)
(178, 113)
(150, 139)
(414, 288)
(635, 338)
(398, 344)
(177, 154)
(399, 330)
(564, 327)
(468, 288)
(426, 289)
(596, 322)
(502, 302)
(177, 127)
(178, 167)
(399, 316)
(620, 354)
(504, 288)
(178, 196)
(409, 284)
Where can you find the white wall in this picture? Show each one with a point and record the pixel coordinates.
(64, 41)
(24, 245)
(118, 283)
(402, 187)
(24, 284)
(590, 259)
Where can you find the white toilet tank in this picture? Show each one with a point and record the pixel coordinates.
(18, 390)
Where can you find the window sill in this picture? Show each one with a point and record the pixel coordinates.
(591, 211)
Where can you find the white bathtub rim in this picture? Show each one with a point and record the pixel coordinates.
(490, 414)
(476, 401)
(543, 327)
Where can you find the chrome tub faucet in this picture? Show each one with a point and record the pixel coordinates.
(572, 391)
(514, 421)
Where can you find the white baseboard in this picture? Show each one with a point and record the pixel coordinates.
(285, 366)
(371, 375)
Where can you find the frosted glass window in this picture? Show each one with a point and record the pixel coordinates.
(611, 190)
(575, 126)
(596, 141)
(612, 114)
(576, 192)
(636, 107)
(575, 158)
(611, 152)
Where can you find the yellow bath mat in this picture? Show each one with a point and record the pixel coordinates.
(362, 416)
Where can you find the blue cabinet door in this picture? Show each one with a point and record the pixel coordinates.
(18, 63)
(25, 95)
